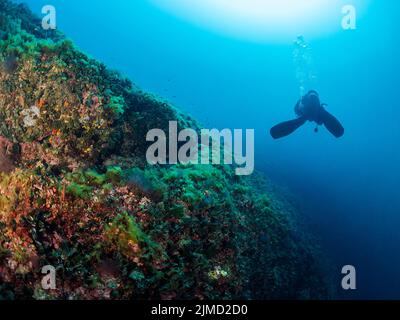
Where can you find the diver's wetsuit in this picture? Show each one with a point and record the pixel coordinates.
(309, 108)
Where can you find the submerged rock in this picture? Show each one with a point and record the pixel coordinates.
(76, 192)
(10, 64)
(6, 156)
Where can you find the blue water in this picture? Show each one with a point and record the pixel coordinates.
(348, 187)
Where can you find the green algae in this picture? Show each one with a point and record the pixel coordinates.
(79, 190)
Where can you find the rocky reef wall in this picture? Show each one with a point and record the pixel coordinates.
(76, 192)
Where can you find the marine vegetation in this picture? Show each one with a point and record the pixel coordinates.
(76, 192)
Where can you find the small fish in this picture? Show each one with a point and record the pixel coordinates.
(10, 64)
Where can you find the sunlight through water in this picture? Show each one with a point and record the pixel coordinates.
(264, 20)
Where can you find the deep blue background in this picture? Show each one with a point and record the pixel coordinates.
(348, 188)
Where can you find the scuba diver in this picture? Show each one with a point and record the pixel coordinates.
(309, 108)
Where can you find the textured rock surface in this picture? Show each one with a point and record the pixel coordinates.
(76, 193)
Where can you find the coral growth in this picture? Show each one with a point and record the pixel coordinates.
(76, 192)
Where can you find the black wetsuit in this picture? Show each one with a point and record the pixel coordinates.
(309, 108)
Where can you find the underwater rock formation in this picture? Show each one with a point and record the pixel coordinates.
(76, 192)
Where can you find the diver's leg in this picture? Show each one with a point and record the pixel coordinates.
(332, 124)
(285, 128)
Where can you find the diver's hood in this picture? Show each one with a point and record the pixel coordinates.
(313, 92)
(311, 98)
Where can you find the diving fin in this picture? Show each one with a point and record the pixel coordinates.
(285, 128)
(332, 124)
